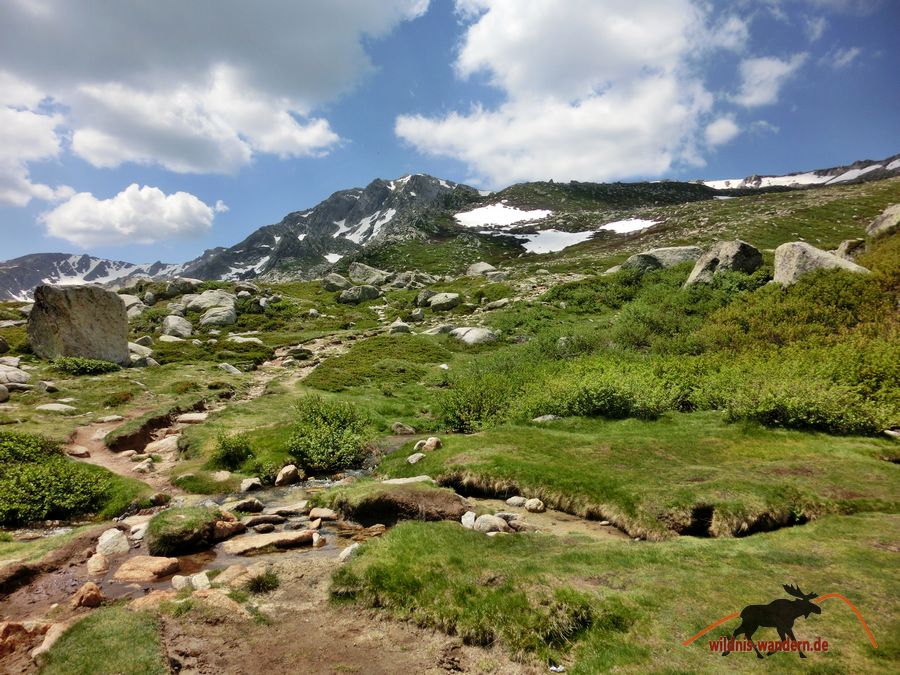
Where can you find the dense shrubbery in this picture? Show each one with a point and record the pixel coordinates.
(231, 452)
(328, 435)
(77, 365)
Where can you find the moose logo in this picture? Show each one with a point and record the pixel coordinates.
(779, 614)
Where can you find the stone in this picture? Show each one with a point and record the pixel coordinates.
(85, 321)
(226, 529)
(243, 295)
(496, 276)
(886, 223)
(497, 304)
(313, 313)
(288, 475)
(357, 294)
(10, 361)
(145, 466)
(200, 581)
(249, 484)
(264, 528)
(112, 543)
(401, 429)
(398, 327)
(221, 476)
(468, 520)
(248, 505)
(477, 335)
(442, 302)
(138, 531)
(110, 418)
(360, 273)
(230, 369)
(4, 394)
(323, 513)
(4, 345)
(219, 316)
(78, 451)
(264, 519)
(97, 564)
(191, 418)
(218, 599)
(180, 286)
(314, 524)
(145, 569)
(210, 299)
(543, 419)
(440, 330)
(50, 637)
(659, 258)
(257, 543)
(152, 600)
(177, 326)
(415, 458)
(139, 350)
(348, 552)
(144, 341)
(298, 509)
(725, 256)
(239, 339)
(163, 446)
(89, 595)
(232, 576)
(535, 505)
(424, 297)
(335, 282)
(479, 268)
(516, 501)
(318, 541)
(13, 375)
(408, 481)
(488, 523)
(417, 315)
(850, 248)
(431, 444)
(508, 516)
(170, 338)
(794, 259)
(180, 582)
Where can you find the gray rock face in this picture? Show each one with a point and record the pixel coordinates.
(335, 282)
(725, 256)
(444, 301)
(209, 299)
(357, 294)
(367, 276)
(398, 327)
(180, 286)
(85, 321)
(479, 268)
(796, 258)
(134, 307)
(424, 297)
(850, 248)
(177, 326)
(659, 258)
(219, 316)
(887, 223)
(474, 335)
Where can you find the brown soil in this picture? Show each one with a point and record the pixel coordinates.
(403, 502)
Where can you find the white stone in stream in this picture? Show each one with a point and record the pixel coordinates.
(192, 418)
(97, 564)
(535, 505)
(112, 543)
(318, 541)
(348, 552)
(249, 484)
(468, 520)
(163, 446)
(288, 475)
(138, 531)
(408, 481)
(516, 501)
(55, 407)
(255, 543)
(488, 523)
(414, 458)
(324, 514)
(200, 581)
(169, 338)
(180, 582)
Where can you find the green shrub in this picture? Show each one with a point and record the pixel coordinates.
(77, 365)
(262, 583)
(118, 398)
(231, 452)
(328, 435)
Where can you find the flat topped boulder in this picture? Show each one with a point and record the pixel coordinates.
(357, 294)
(335, 282)
(146, 568)
(796, 258)
(441, 302)
(212, 298)
(660, 258)
(260, 543)
(479, 268)
(725, 256)
(86, 321)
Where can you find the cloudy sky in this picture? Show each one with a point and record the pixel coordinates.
(145, 130)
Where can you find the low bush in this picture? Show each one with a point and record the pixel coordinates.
(231, 452)
(77, 365)
(118, 398)
(328, 435)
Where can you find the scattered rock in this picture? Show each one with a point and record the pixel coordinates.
(85, 321)
(497, 304)
(230, 369)
(479, 268)
(407, 481)
(245, 340)
(335, 282)
(264, 528)
(250, 484)
(348, 552)
(89, 595)
(112, 543)
(219, 316)
(163, 446)
(887, 223)
(248, 505)
(170, 338)
(177, 326)
(424, 296)
(401, 429)
(78, 451)
(431, 444)
(324, 514)
(415, 457)
(516, 501)
(398, 327)
(55, 407)
(97, 564)
(180, 582)
(110, 418)
(659, 258)
(441, 302)
(288, 475)
(488, 523)
(47, 386)
(546, 418)
(725, 256)
(468, 520)
(357, 294)
(360, 273)
(144, 569)
(535, 505)
(264, 519)
(145, 466)
(474, 335)
(258, 543)
(794, 259)
(200, 581)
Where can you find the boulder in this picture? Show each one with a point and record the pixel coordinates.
(488, 523)
(365, 275)
(497, 304)
(323, 513)
(144, 569)
(180, 286)
(200, 581)
(4, 345)
(13, 375)
(417, 315)
(249, 484)
(177, 326)
(401, 429)
(210, 299)
(394, 503)
(887, 223)
(248, 505)
(170, 338)
(264, 519)
(659, 258)
(259, 543)
(479, 268)
(440, 330)
(415, 458)
(424, 296)
(230, 369)
(796, 258)
(55, 408)
(441, 302)
(219, 316)
(516, 501)
(496, 276)
(474, 335)
(78, 451)
(348, 552)
(89, 595)
(189, 418)
(85, 321)
(112, 543)
(97, 564)
(432, 443)
(357, 294)
(288, 475)
(335, 282)
(240, 339)
(134, 307)
(246, 287)
(468, 520)
(535, 505)
(4, 394)
(152, 600)
(725, 256)
(850, 248)
(139, 350)
(398, 327)
(543, 419)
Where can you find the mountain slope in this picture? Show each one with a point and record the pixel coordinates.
(863, 170)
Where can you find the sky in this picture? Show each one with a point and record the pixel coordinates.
(143, 131)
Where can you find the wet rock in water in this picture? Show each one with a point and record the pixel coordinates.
(297, 509)
(146, 568)
(324, 514)
(250, 484)
(535, 505)
(794, 259)
(268, 518)
(432, 443)
(415, 458)
(348, 552)
(314, 524)
(264, 528)
(488, 523)
(225, 529)
(318, 541)
(97, 564)
(468, 520)
(288, 475)
(230, 369)
(89, 595)
(85, 321)
(113, 543)
(516, 501)
(247, 505)
(258, 543)
(401, 429)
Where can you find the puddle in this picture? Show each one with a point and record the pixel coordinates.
(555, 522)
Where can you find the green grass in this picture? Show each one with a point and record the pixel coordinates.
(109, 641)
(179, 531)
(650, 477)
(27, 551)
(626, 606)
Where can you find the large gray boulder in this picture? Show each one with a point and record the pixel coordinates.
(476, 335)
(367, 276)
(86, 321)
(210, 299)
(887, 223)
(177, 326)
(335, 282)
(659, 258)
(424, 296)
(219, 316)
(180, 286)
(850, 248)
(134, 306)
(479, 268)
(796, 258)
(725, 256)
(357, 294)
(444, 301)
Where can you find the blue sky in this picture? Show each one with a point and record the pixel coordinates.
(145, 131)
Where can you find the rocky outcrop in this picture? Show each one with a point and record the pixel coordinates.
(335, 282)
(796, 258)
(887, 223)
(177, 326)
(660, 258)
(725, 256)
(441, 302)
(260, 543)
(85, 321)
(479, 268)
(357, 294)
(367, 276)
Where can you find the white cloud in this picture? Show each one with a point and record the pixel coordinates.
(593, 90)
(815, 27)
(194, 87)
(761, 127)
(137, 215)
(721, 130)
(842, 57)
(763, 78)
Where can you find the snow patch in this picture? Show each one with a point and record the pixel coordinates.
(549, 241)
(893, 165)
(498, 214)
(342, 227)
(628, 225)
(301, 237)
(853, 174)
(333, 257)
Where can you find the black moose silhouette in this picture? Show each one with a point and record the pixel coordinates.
(778, 614)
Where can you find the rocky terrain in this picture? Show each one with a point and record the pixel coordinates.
(450, 453)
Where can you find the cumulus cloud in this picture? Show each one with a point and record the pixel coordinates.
(721, 131)
(762, 78)
(593, 90)
(203, 86)
(137, 215)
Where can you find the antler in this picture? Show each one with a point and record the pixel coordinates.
(797, 593)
